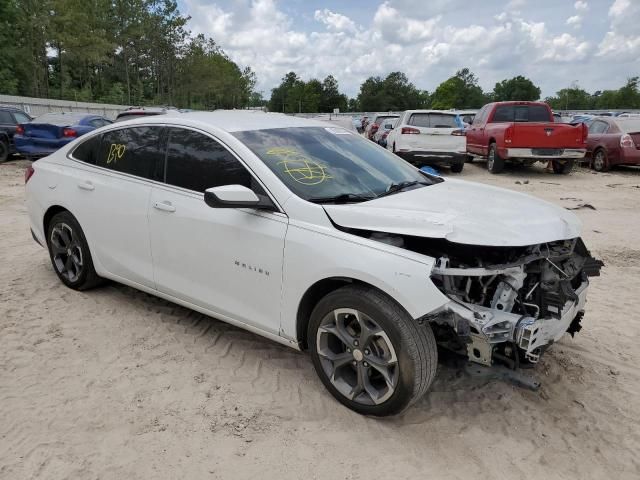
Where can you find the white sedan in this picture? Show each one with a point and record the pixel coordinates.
(316, 238)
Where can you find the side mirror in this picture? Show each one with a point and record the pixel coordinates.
(232, 196)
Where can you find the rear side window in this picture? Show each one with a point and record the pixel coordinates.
(6, 118)
(197, 162)
(137, 151)
(598, 127)
(21, 117)
(88, 150)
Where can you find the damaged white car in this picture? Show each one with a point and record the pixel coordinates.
(316, 238)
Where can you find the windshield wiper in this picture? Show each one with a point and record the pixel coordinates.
(342, 198)
(398, 187)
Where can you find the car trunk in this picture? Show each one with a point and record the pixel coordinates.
(43, 130)
(435, 133)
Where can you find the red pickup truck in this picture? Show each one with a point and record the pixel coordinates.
(524, 132)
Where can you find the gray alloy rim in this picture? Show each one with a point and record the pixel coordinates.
(66, 251)
(357, 356)
(491, 158)
(598, 162)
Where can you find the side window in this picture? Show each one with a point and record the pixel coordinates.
(99, 122)
(598, 127)
(419, 120)
(6, 118)
(481, 116)
(88, 150)
(197, 162)
(503, 113)
(21, 117)
(137, 151)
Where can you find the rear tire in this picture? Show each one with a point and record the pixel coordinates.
(457, 167)
(4, 151)
(369, 353)
(69, 253)
(495, 164)
(562, 168)
(600, 162)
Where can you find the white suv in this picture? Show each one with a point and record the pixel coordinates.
(316, 238)
(430, 137)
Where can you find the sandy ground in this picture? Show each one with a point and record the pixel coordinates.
(116, 384)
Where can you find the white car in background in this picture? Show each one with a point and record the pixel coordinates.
(316, 238)
(429, 137)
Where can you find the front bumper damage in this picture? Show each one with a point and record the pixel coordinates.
(510, 314)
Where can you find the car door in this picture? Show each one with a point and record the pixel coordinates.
(476, 131)
(595, 137)
(226, 260)
(108, 189)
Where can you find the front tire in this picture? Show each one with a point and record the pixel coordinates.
(495, 164)
(369, 353)
(69, 253)
(457, 167)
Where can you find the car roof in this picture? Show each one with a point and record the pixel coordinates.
(446, 112)
(232, 120)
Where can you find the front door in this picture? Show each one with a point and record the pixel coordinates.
(227, 260)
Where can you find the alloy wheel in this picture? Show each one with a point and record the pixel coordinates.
(66, 252)
(491, 158)
(598, 162)
(357, 356)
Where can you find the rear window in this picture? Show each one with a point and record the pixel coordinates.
(629, 125)
(385, 119)
(521, 113)
(59, 119)
(433, 120)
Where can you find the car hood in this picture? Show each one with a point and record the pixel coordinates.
(462, 212)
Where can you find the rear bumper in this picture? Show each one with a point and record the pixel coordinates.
(629, 156)
(536, 154)
(25, 146)
(432, 157)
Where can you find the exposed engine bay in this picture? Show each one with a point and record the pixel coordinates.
(508, 304)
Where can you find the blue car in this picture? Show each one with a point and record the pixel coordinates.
(49, 132)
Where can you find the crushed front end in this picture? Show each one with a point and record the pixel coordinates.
(509, 304)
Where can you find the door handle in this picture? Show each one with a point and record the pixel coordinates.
(164, 206)
(86, 185)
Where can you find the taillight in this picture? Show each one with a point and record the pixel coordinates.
(585, 133)
(459, 133)
(69, 132)
(508, 134)
(626, 141)
(19, 130)
(409, 131)
(28, 173)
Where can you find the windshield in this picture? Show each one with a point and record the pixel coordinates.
(323, 163)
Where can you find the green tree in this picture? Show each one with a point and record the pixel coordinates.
(516, 88)
(572, 98)
(460, 91)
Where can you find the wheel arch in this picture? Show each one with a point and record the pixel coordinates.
(48, 215)
(319, 290)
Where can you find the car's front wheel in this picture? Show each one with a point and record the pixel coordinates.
(369, 353)
(69, 252)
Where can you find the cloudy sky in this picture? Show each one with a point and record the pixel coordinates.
(595, 43)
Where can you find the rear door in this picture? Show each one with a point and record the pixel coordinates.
(226, 260)
(435, 135)
(109, 190)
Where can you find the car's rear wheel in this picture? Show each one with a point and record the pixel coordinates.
(69, 252)
(4, 151)
(600, 161)
(495, 164)
(562, 167)
(369, 353)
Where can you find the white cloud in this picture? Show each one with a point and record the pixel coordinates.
(427, 41)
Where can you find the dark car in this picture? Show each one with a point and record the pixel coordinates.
(10, 117)
(613, 141)
(47, 133)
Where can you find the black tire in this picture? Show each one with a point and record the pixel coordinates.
(74, 269)
(4, 150)
(562, 168)
(457, 167)
(413, 346)
(600, 161)
(469, 159)
(495, 164)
